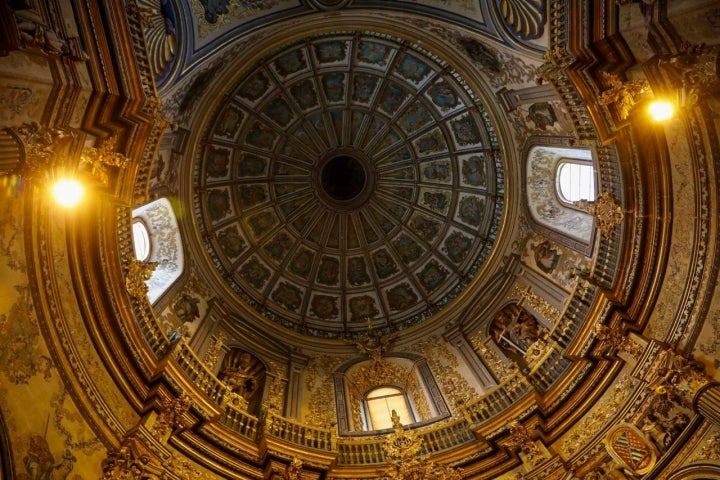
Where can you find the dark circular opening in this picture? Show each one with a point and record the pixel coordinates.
(343, 178)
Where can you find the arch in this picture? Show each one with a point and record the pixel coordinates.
(702, 471)
(515, 331)
(165, 245)
(245, 375)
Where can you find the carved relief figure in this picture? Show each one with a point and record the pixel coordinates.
(245, 375)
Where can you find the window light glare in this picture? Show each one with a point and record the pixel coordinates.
(661, 110)
(67, 192)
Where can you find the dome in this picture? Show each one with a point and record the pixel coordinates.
(349, 177)
(343, 239)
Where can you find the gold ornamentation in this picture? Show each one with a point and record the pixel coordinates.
(677, 378)
(405, 460)
(292, 471)
(537, 351)
(42, 147)
(372, 344)
(520, 440)
(538, 303)
(276, 389)
(613, 338)
(695, 70)
(213, 352)
(237, 401)
(492, 360)
(444, 366)
(132, 461)
(607, 213)
(171, 415)
(710, 450)
(382, 372)
(183, 469)
(138, 273)
(319, 383)
(97, 160)
(606, 409)
(549, 71)
(622, 94)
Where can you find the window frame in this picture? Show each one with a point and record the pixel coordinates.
(146, 239)
(368, 423)
(565, 161)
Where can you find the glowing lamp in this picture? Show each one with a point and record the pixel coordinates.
(67, 192)
(661, 110)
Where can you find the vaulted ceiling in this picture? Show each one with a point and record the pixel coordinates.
(364, 195)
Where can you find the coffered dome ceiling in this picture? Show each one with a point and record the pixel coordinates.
(347, 178)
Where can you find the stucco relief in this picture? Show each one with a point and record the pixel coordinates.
(684, 231)
(48, 437)
(318, 380)
(593, 422)
(444, 365)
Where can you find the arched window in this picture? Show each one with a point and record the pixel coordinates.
(555, 177)
(379, 404)
(141, 240)
(575, 181)
(157, 236)
(365, 403)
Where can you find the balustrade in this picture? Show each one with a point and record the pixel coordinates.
(297, 433)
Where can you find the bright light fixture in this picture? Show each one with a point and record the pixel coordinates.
(661, 110)
(68, 192)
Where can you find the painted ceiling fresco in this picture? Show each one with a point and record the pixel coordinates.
(347, 178)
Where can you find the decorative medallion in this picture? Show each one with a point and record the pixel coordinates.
(345, 177)
(629, 447)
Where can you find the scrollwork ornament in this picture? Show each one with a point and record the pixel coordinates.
(213, 352)
(695, 70)
(139, 273)
(403, 454)
(130, 462)
(520, 440)
(372, 343)
(608, 214)
(43, 146)
(622, 94)
(538, 303)
(710, 449)
(97, 160)
(171, 415)
(613, 339)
